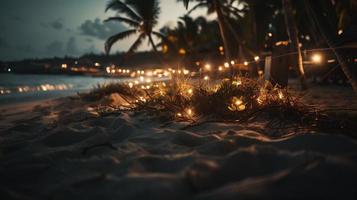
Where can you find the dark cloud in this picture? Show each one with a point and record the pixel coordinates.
(57, 24)
(96, 28)
(4, 44)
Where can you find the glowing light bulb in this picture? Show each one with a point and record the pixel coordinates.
(238, 102)
(232, 62)
(220, 68)
(207, 66)
(256, 58)
(316, 58)
(281, 95)
(190, 91)
(226, 65)
(246, 63)
(206, 78)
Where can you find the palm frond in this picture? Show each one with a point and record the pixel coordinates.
(124, 20)
(136, 44)
(117, 5)
(109, 43)
(149, 10)
(200, 5)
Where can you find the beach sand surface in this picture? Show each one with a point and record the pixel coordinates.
(69, 149)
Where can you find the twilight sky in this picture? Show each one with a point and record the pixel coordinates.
(47, 28)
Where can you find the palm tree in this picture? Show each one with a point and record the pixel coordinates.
(294, 39)
(193, 35)
(215, 6)
(140, 15)
(343, 14)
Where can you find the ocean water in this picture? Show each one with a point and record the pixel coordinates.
(16, 88)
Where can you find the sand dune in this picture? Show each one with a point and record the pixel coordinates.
(65, 149)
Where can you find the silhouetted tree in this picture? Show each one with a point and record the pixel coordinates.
(141, 16)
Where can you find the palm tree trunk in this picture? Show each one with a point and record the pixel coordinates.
(339, 56)
(156, 51)
(223, 32)
(294, 39)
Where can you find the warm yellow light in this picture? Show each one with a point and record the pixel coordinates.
(340, 32)
(232, 62)
(270, 34)
(226, 65)
(237, 83)
(206, 78)
(131, 85)
(281, 95)
(246, 63)
(221, 48)
(238, 102)
(241, 107)
(189, 112)
(182, 51)
(97, 64)
(260, 72)
(190, 91)
(185, 71)
(108, 70)
(207, 66)
(64, 66)
(256, 58)
(220, 68)
(179, 114)
(316, 58)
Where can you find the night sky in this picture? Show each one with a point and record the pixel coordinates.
(47, 28)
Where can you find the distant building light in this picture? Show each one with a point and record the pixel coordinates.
(226, 64)
(307, 38)
(340, 32)
(9, 69)
(270, 34)
(256, 58)
(76, 62)
(245, 63)
(232, 62)
(221, 48)
(97, 64)
(64, 66)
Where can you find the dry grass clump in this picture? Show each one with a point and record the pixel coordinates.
(238, 100)
(101, 91)
(242, 99)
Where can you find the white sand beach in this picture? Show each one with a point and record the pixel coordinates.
(68, 149)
